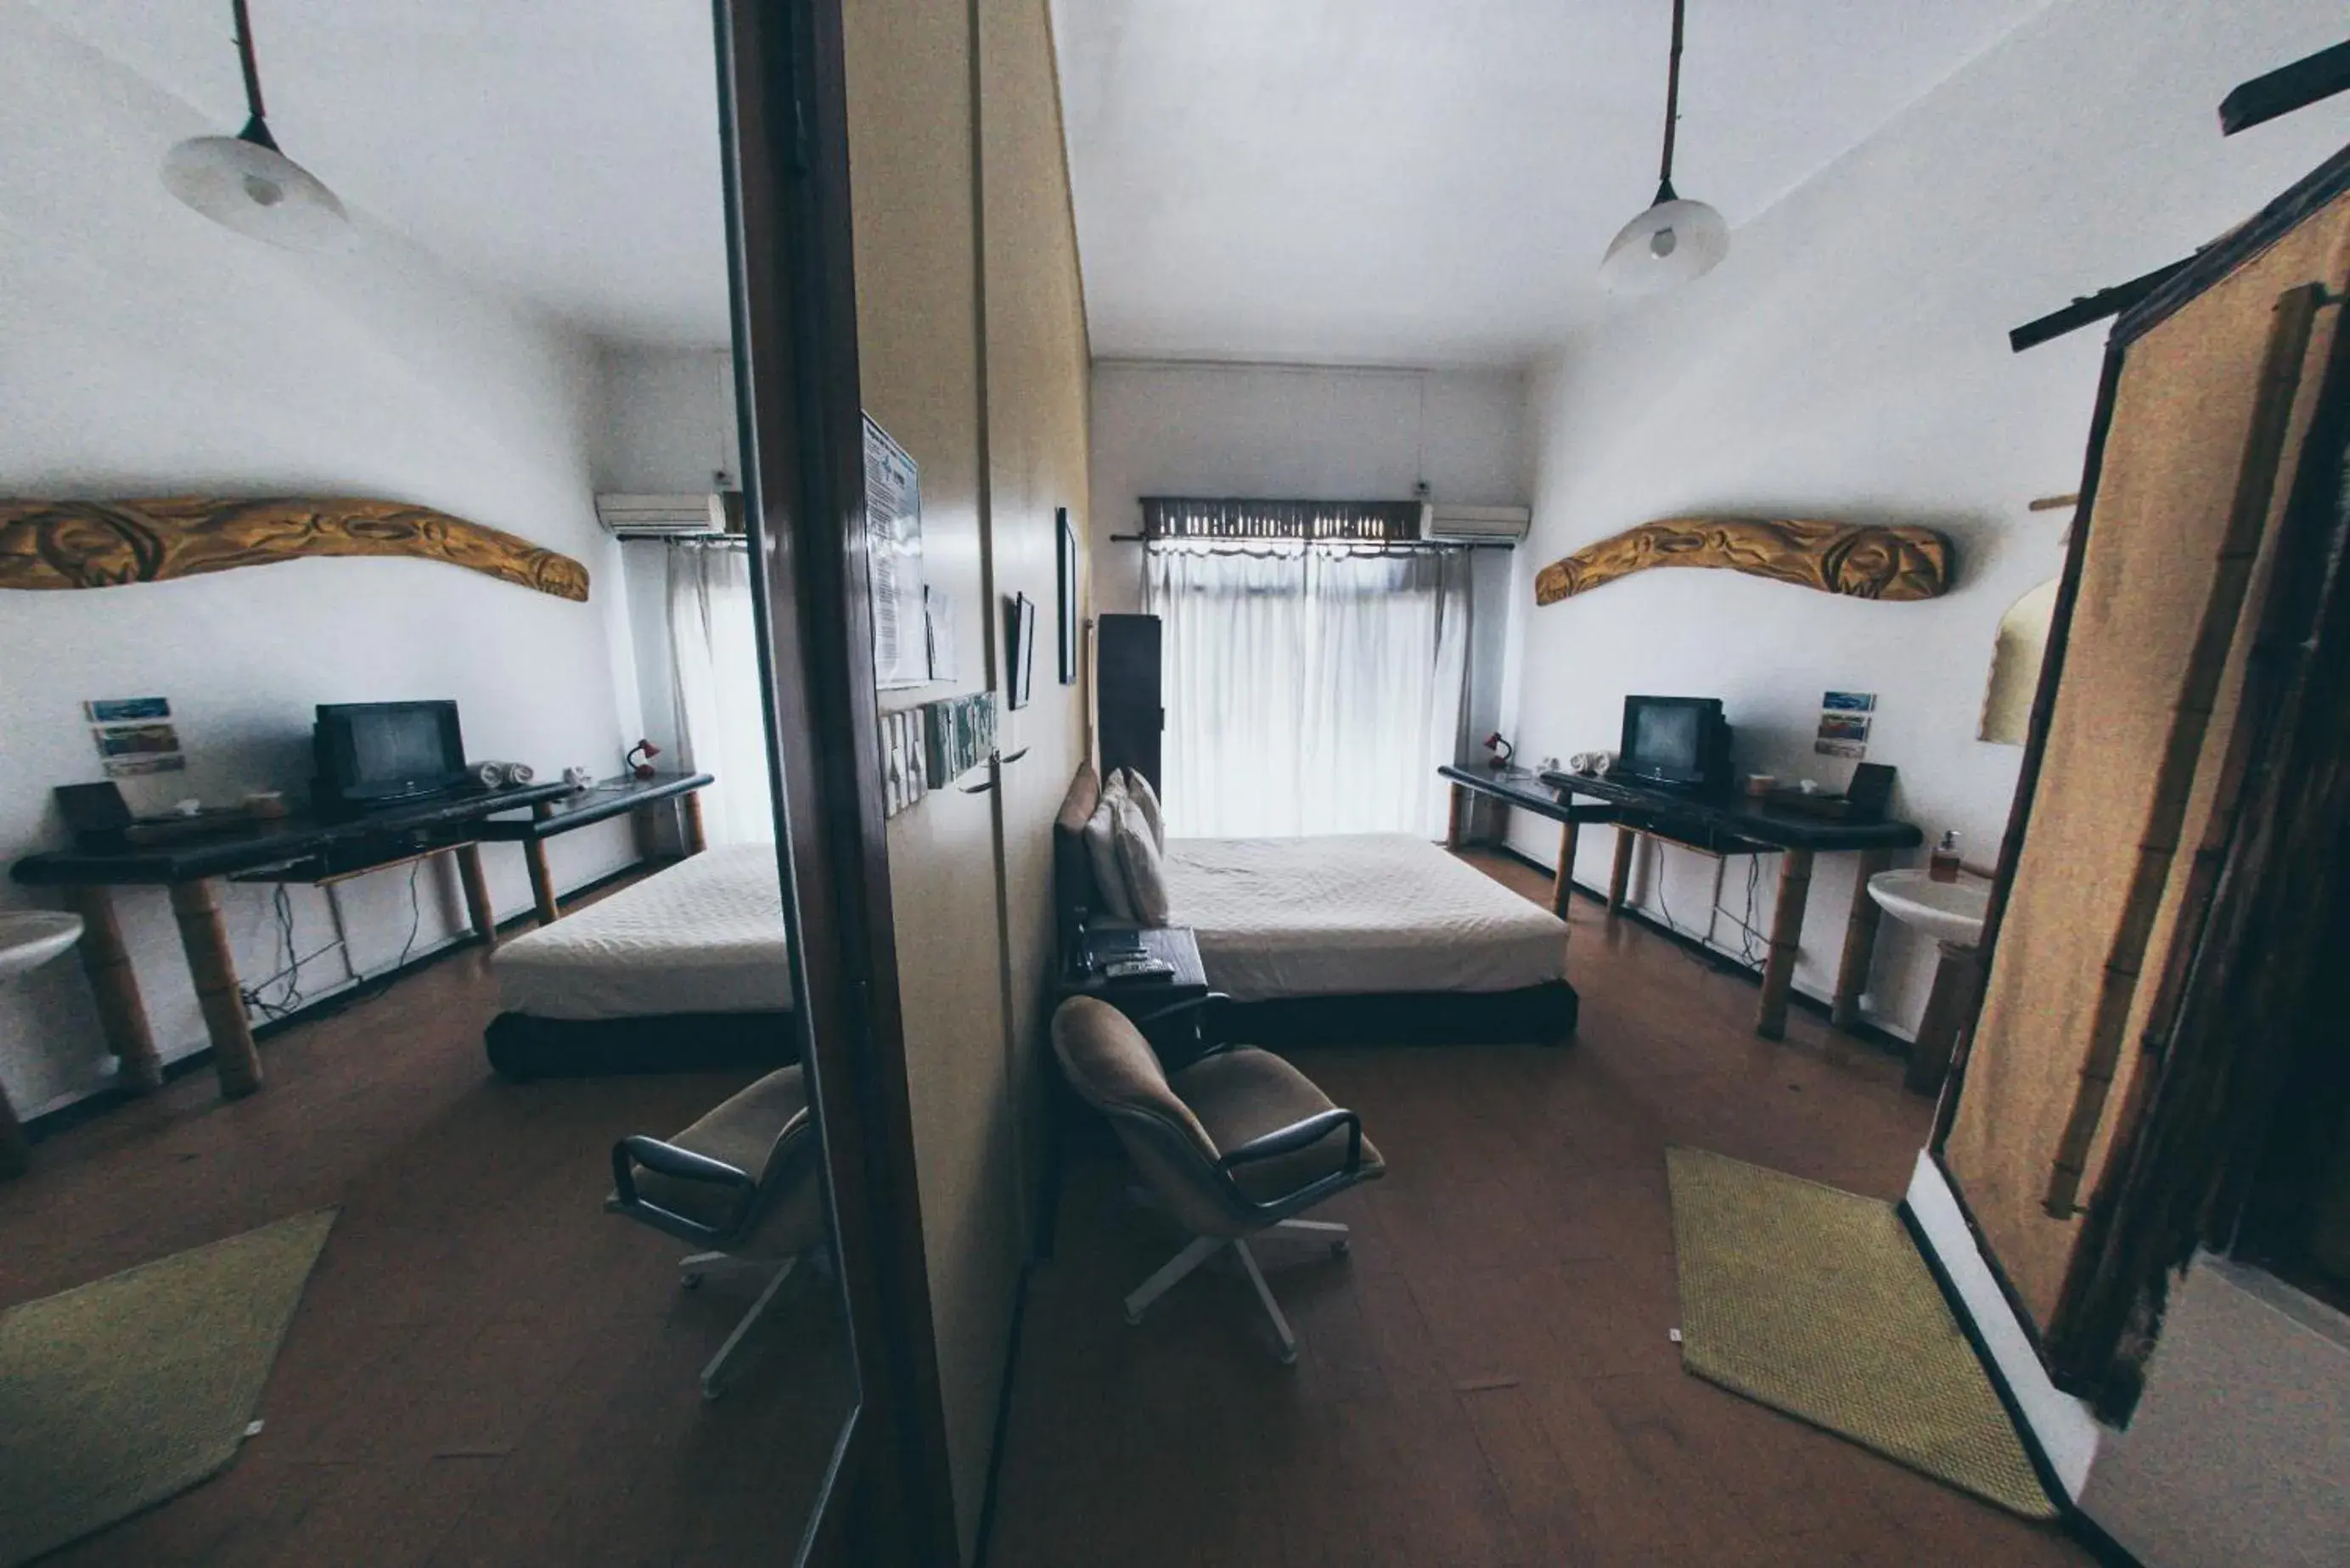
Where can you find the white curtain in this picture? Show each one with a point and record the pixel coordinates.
(1309, 689)
(721, 711)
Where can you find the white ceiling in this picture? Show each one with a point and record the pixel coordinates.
(1433, 182)
(561, 152)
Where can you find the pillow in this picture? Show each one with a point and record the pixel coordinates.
(1110, 897)
(1137, 853)
(1147, 799)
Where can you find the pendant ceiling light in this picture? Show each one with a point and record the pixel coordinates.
(243, 182)
(1674, 240)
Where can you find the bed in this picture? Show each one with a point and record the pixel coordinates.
(1364, 938)
(687, 970)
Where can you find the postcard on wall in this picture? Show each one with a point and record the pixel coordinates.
(120, 709)
(1843, 727)
(1852, 749)
(134, 766)
(136, 739)
(1849, 702)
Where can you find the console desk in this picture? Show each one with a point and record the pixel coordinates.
(305, 850)
(1715, 824)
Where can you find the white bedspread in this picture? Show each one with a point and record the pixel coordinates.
(704, 936)
(1361, 913)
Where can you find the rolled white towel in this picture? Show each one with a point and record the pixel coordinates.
(520, 773)
(1601, 762)
(490, 774)
(577, 777)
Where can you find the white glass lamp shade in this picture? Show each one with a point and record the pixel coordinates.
(1669, 243)
(258, 192)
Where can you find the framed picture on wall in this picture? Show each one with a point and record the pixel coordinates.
(1067, 574)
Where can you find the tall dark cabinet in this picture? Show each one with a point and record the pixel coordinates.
(1130, 709)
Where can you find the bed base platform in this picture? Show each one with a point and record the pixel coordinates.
(1544, 1014)
(522, 1046)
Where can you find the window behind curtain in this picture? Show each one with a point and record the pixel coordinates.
(721, 711)
(1309, 689)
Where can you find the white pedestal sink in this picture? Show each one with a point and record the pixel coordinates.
(28, 938)
(1952, 914)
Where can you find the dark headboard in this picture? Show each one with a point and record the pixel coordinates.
(1073, 871)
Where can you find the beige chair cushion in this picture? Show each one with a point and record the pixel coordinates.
(1101, 848)
(1240, 1094)
(766, 1129)
(1137, 857)
(1113, 1069)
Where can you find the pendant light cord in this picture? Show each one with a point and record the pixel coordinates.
(1672, 102)
(256, 125)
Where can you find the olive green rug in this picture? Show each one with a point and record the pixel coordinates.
(130, 1390)
(1817, 1303)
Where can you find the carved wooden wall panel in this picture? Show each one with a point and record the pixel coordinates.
(105, 544)
(1863, 560)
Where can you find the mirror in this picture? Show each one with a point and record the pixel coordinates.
(2015, 665)
(326, 998)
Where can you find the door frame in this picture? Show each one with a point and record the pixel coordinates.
(783, 92)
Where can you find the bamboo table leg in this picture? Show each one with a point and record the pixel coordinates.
(1456, 826)
(1619, 876)
(689, 804)
(542, 881)
(1786, 936)
(1562, 888)
(476, 882)
(210, 963)
(121, 1011)
(1859, 941)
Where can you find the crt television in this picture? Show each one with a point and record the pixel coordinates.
(1675, 740)
(372, 754)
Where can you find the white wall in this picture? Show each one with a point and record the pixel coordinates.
(2238, 1450)
(1849, 360)
(1299, 433)
(143, 351)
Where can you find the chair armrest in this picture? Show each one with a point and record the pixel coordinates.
(1302, 1134)
(684, 1165)
(1212, 999)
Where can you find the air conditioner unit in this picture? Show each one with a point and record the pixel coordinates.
(1474, 524)
(713, 511)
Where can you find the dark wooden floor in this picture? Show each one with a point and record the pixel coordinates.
(1489, 1379)
(486, 1368)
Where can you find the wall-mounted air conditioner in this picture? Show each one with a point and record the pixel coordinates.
(1474, 524)
(713, 511)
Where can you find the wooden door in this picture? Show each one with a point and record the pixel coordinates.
(1133, 712)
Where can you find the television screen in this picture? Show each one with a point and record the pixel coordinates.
(377, 751)
(1666, 737)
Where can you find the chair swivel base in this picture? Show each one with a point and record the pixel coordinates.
(691, 1272)
(1202, 1248)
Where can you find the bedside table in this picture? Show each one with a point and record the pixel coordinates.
(1172, 945)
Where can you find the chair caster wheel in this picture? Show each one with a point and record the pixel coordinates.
(1339, 1248)
(1289, 1356)
(689, 1281)
(711, 1390)
(1133, 1318)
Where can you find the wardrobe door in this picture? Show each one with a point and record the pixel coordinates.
(2129, 774)
(1133, 710)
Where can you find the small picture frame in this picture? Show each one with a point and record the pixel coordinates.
(126, 709)
(1066, 577)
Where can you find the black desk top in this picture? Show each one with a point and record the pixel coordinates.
(1736, 816)
(455, 817)
(605, 798)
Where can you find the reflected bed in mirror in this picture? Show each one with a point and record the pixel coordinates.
(2015, 665)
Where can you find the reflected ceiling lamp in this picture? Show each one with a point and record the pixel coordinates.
(1674, 240)
(243, 182)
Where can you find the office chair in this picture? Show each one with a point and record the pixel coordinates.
(740, 1183)
(1237, 1143)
